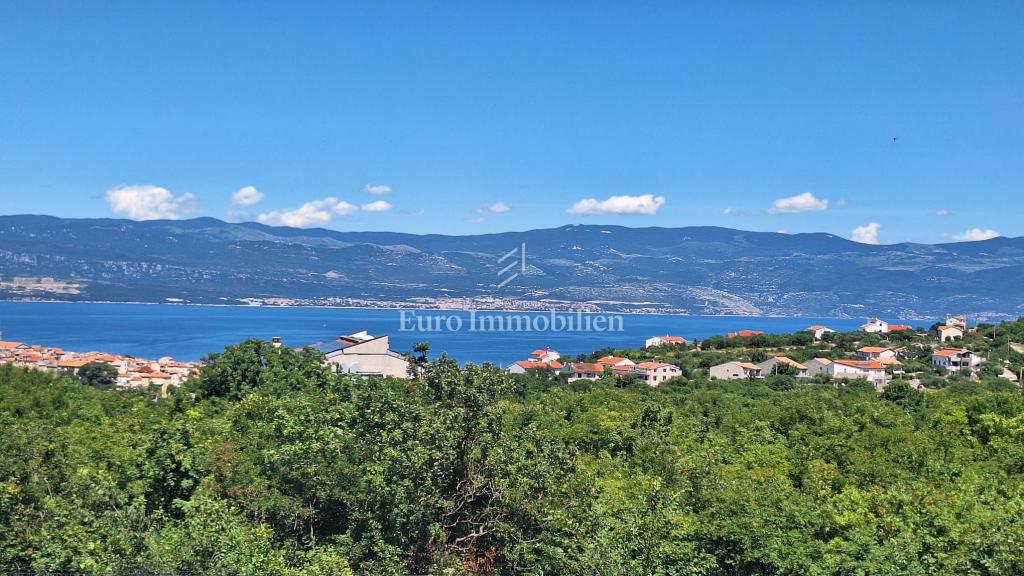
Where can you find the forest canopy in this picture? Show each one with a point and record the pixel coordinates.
(269, 463)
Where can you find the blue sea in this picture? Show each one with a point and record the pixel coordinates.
(190, 332)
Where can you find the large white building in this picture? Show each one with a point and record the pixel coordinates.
(870, 370)
(363, 354)
(955, 359)
(664, 341)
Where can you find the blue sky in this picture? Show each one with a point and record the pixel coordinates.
(472, 117)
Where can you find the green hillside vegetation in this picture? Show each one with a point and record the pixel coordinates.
(267, 463)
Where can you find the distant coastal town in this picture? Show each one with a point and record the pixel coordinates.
(131, 373)
(941, 349)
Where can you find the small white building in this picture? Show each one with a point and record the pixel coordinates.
(958, 322)
(664, 341)
(875, 325)
(363, 354)
(654, 373)
(544, 355)
(819, 331)
(734, 370)
(951, 360)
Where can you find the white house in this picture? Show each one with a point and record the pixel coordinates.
(663, 341)
(734, 371)
(769, 366)
(948, 332)
(957, 321)
(870, 370)
(875, 325)
(522, 366)
(361, 353)
(654, 373)
(544, 355)
(955, 359)
(819, 331)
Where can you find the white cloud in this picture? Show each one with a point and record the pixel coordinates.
(315, 213)
(943, 212)
(867, 234)
(343, 208)
(246, 197)
(498, 208)
(378, 189)
(734, 212)
(975, 234)
(805, 202)
(841, 202)
(378, 206)
(647, 204)
(147, 202)
(477, 220)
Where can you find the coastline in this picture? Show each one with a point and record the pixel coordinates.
(441, 309)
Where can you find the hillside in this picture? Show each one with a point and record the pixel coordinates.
(694, 269)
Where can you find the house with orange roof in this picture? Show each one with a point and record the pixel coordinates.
(8, 349)
(770, 366)
(734, 370)
(817, 366)
(613, 361)
(584, 371)
(522, 366)
(744, 334)
(875, 353)
(665, 340)
(951, 360)
(654, 373)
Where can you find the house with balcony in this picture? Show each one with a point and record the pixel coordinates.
(951, 360)
(654, 373)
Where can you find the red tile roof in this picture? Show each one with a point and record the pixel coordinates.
(861, 364)
(610, 360)
(745, 333)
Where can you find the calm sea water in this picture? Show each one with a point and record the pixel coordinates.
(190, 332)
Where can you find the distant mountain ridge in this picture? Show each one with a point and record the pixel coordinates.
(693, 269)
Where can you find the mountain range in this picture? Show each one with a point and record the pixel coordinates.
(699, 270)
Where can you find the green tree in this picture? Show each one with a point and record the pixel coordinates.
(98, 375)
